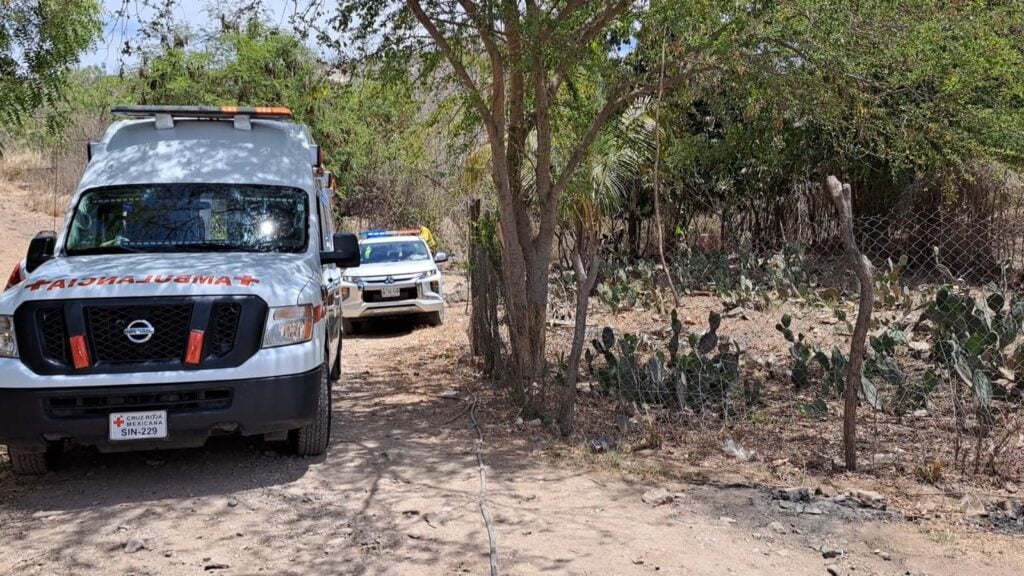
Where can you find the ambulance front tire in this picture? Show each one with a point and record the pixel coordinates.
(32, 462)
(312, 439)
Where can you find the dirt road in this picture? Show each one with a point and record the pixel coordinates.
(398, 493)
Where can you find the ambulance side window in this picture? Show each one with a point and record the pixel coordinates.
(323, 207)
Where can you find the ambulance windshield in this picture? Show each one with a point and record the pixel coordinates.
(189, 218)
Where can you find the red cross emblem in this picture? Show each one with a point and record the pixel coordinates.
(247, 280)
(118, 422)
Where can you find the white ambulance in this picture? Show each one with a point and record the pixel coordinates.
(193, 290)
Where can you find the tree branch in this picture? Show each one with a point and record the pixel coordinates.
(616, 102)
(456, 62)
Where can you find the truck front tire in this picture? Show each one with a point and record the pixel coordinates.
(312, 439)
(349, 326)
(29, 462)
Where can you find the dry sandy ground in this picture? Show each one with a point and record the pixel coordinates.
(398, 494)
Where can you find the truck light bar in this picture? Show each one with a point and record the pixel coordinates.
(386, 233)
(146, 111)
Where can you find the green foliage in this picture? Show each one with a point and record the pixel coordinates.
(701, 379)
(889, 289)
(879, 367)
(973, 339)
(40, 40)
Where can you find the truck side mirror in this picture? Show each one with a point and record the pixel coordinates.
(40, 249)
(441, 257)
(346, 252)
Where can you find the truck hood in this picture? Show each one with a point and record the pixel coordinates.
(277, 278)
(391, 269)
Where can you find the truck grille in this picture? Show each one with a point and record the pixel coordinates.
(84, 405)
(233, 327)
(106, 326)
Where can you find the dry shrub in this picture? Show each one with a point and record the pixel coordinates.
(21, 166)
(48, 178)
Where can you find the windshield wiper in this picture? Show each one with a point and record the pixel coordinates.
(210, 247)
(95, 250)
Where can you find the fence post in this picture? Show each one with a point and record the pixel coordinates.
(485, 338)
(862, 268)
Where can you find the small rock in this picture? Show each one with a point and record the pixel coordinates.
(232, 502)
(217, 566)
(786, 505)
(973, 505)
(883, 459)
(1010, 487)
(726, 520)
(796, 494)
(778, 528)
(534, 423)
(922, 413)
(602, 445)
(869, 499)
(833, 570)
(813, 511)
(883, 555)
(168, 554)
(738, 452)
(449, 395)
(657, 497)
(829, 553)
(133, 545)
(585, 387)
(519, 421)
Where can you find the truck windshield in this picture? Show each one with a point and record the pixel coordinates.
(400, 251)
(189, 217)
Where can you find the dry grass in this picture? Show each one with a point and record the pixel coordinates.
(46, 189)
(20, 167)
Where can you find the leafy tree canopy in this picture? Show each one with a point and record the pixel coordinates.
(40, 42)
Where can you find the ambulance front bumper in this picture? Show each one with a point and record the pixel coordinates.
(36, 417)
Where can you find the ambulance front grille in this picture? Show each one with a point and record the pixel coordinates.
(106, 329)
(55, 334)
(233, 328)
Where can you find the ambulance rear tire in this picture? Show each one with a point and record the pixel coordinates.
(312, 439)
(30, 462)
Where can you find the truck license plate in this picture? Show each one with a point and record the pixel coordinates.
(390, 292)
(138, 425)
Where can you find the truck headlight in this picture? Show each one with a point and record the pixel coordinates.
(8, 342)
(289, 325)
(427, 274)
(350, 279)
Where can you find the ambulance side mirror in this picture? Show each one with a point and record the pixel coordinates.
(441, 257)
(40, 249)
(345, 254)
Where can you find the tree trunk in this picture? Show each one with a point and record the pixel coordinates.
(862, 268)
(586, 265)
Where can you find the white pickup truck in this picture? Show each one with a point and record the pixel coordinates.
(194, 289)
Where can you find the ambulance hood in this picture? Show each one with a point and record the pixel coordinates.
(277, 278)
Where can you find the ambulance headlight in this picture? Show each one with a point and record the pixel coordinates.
(288, 325)
(8, 342)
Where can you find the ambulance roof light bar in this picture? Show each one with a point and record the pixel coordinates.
(204, 112)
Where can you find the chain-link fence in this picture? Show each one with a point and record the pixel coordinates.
(765, 336)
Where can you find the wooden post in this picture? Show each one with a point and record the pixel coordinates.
(862, 268)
